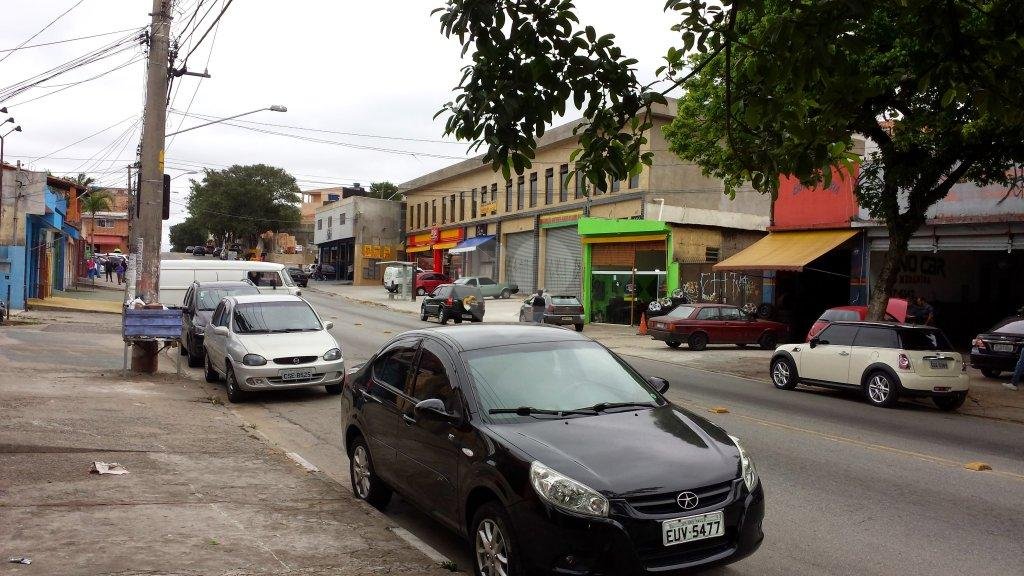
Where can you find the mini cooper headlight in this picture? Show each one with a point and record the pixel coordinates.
(333, 354)
(253, 360)
(566, 493)
(747, 468)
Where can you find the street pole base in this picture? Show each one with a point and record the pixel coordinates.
(145, 356)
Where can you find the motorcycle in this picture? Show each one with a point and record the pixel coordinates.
(3, 311)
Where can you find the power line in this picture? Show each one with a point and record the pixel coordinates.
(73, 84)
(43, 29)
(209, 55)
(70, 39)
(227, 4)
(83, 139)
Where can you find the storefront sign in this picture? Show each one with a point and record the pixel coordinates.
(561, 217)
(435, 235)
(377, 252)
(488, 207)
(799, 206)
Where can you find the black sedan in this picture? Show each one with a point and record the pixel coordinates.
(997, 350)
(549, 453)
(298, 276)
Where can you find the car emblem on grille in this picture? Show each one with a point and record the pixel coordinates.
(687, 500)
(296, 360)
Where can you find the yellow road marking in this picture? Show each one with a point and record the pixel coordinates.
(718, 410)
(870, 445)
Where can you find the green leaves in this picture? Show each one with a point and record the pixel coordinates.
(245, 201)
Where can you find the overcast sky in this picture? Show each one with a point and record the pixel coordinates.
(377, 69)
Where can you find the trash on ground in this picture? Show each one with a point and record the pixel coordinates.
(20, 560)
(107, 468)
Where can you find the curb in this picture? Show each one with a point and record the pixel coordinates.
(59, 308)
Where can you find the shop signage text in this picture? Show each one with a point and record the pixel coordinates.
(561, 217)
(378, 252)
(488, 207)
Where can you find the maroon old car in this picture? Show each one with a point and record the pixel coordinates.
(701, 324)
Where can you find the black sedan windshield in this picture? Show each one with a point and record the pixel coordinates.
(561, 376)
(264, 317)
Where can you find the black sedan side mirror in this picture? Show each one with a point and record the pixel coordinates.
(660, 384)
(432, 409)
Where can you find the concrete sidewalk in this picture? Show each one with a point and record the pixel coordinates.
(987, 398)
(204, 494)
(104, 297)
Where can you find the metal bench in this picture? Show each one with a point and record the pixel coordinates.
(145, 324)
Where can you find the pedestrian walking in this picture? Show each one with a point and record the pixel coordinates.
(120, 270)
(538, 306)
(108, 269)
(1018, 373)
(90, 267)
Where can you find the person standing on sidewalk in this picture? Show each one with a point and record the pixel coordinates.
(1018, 373)
(538, 306)
(120, 270)
(108, 269)
(90, 266)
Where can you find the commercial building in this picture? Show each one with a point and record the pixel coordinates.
(355, 233)
(548, 228)
(109, 230)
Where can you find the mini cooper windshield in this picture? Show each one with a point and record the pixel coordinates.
(560, 379)
(268, 317)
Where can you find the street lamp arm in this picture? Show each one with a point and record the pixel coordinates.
(274, 108)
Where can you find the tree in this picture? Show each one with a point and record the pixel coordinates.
(84, 181)
(242, 202)
(93, 202)
(771, 87)
(385, 191)
(188, 233)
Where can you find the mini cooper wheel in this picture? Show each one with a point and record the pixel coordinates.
(235, 394)
(495, 551)
(211, 374)
(365, 483)
(881, 390)
(950, 401)
(698, 341)
(783, 374)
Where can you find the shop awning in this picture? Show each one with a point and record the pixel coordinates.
(105, 239)
(786, 250)
(444, 245)
(412, 249)
(470, 244)
(71, 231)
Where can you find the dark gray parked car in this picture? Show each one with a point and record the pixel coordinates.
(559, 310)
(200, 301)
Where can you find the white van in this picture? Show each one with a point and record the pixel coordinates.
(177, 275)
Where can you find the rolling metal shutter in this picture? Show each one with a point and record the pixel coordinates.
(519, 260)
(563, 261)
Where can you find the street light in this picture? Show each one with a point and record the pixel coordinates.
(2, 138)
(274, 108)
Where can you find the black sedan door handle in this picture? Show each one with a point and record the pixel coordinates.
(409, 420)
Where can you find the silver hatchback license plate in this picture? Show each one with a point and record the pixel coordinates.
(287, 375)
(938, 364)
(692, 528)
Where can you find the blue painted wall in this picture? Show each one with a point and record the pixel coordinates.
(12, 282)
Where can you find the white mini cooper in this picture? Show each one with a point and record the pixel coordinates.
(883, 360)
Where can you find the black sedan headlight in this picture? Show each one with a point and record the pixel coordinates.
(566, 493)
(747, 469)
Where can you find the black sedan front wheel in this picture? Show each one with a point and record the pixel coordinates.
(495, 552)
(365, 483)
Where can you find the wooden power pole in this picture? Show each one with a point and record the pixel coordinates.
(151, 169)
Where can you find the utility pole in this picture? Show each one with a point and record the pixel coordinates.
(151, 169)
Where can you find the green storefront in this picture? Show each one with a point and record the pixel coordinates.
(626, 265)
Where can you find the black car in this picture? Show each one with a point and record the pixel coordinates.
(997, 350)
(298, 276)
(199, 251)
(455, 302)
(549, 453)
(201, 299)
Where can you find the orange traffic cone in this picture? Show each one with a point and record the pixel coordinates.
(643, 325)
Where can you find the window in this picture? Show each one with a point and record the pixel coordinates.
(341, 219)
(927, 340)
(472, 202)
(264, 278)
(681, 312)
(370, 269)
(508, 196)
(451, 207)
(329, 220)
(462, 205)
(634, 181)
(563, 183)
(104, 223)
(432, 379)
(731, 314)
(616, 185)
(549, 185)
(266, 317)
(520, 192)
(319, 223)
(494, 197)
(838, 335)
(444, 211)
(837, 315)
(395, 366)
(1012, 325)
(708, 314)
(210, 297)
(483, 194)
(485, 281)
(533, 189)
(419, 210)
(711, 254)
(876, 337)
(433, 211)
(218, 316)
(581, 185)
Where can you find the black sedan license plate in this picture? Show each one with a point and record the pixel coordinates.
(692, 528)
(567, 318)
(287, 375)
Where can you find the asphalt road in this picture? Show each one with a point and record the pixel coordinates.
(851, 489)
